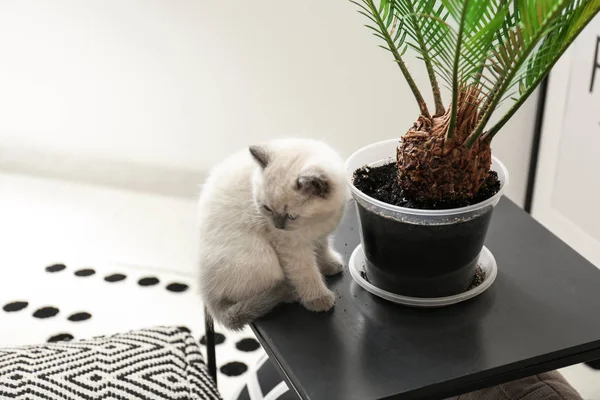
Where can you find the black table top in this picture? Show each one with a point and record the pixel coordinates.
(541, 313)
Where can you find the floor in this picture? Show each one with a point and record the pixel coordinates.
(79, 261)
(83, 260)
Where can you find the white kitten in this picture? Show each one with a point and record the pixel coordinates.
(265, 218)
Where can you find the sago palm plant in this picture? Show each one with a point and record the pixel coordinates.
(484, 52)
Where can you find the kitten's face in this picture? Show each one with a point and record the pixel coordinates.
(288, 194)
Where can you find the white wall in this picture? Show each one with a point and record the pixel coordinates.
(120, 88)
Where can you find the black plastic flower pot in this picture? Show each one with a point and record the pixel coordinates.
(419, 253)
(421, 260)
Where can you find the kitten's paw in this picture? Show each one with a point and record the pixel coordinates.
(333, 265)
(322, 303)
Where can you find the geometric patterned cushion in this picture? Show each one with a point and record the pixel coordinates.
(158, 363)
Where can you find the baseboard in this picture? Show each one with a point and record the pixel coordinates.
(102, 171)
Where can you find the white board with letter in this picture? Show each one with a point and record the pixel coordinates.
(567, 187)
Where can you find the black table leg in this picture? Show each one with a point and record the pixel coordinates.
(210, 345)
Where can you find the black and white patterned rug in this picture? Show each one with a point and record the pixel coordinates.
(53, 300)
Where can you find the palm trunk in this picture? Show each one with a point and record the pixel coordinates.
(432, 167)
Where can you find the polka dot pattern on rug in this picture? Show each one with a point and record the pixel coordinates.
(45, 312)
(15, 306)
(177, 287)
(115, 278)
(219, 339)
(234, 368)
(61, 337)
(84, 295)
(148, 281)
(55, 267)
(85, 272)
(80, 316)
(247, 345)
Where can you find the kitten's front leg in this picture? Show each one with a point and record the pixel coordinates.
(301, 269)
(330, 262)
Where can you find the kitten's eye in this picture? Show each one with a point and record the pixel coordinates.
(267, 209)
(292, 217)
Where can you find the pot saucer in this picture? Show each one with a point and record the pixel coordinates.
(487, 262)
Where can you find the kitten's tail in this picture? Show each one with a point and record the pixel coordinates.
(242, 313)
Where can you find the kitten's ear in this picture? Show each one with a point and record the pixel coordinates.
(261, 155)
(313, 183)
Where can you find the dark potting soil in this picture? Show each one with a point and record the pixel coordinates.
(363, 275)
(381, 183)
(477, 279)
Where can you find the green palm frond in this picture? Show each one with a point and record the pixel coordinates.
(428, 37)
(575, 17)
(452, 55)
(478, 21)
(488, 22)
(538, 18)
(501, 49)
(386, 26)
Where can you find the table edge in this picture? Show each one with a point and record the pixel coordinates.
(460, 386)
(275, 360)
(444, 390)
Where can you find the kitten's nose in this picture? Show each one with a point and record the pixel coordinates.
(279, 221)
